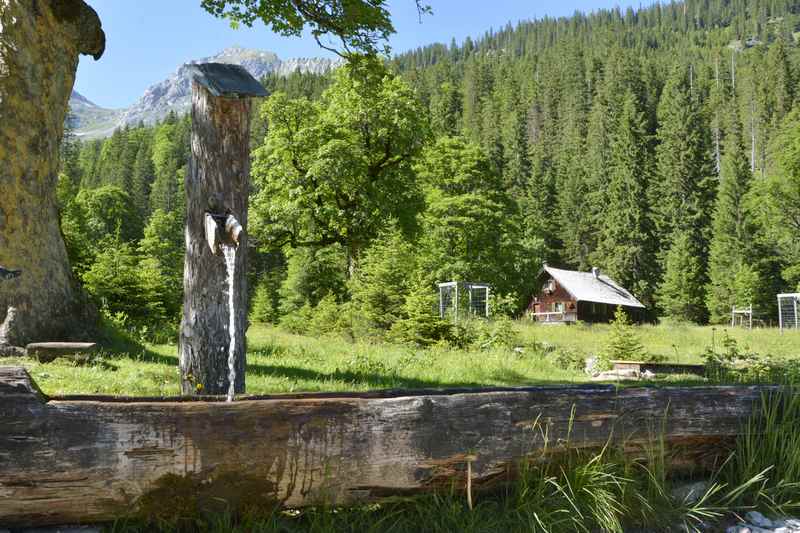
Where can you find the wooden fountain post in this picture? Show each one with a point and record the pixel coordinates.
(217, 183)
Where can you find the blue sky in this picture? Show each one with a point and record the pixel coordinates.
(149, 39)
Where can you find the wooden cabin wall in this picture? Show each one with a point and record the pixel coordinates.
(545, 303)
(604, 313)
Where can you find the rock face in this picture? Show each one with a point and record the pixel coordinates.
(39, 47)
(86, 116)
(175, 92)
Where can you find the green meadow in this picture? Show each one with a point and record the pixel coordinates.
(282, 362)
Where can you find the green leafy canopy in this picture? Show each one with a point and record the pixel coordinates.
(360, 25)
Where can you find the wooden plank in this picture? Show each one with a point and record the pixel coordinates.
(49, 351)
(67, 460)
(659, 368)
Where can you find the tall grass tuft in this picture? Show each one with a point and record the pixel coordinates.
(769, 450)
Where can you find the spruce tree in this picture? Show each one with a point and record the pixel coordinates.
(421, 324)
(576, 227)
(622, 343)
(597, 157)
(625, 249)
(167, 160)
(381, 282)
(681, 294)
(142, 178)
(683, 168)
(446, 106)
(733, 227)
(681, 198)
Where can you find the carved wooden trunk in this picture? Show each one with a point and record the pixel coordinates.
(218, 184)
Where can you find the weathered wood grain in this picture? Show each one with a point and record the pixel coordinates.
(659, 368)
(217, 182)
(49, 351)
(66, 460)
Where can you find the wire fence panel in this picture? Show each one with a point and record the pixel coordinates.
(788, 305)
(459, 299)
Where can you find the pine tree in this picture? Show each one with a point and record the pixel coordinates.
(733, 228)
(625, 249)
(623, 343)
(681, 199)
(681, 294)
(382, 280)
(142, 177)
(421, 324)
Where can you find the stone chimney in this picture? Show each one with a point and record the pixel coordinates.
(595, 272)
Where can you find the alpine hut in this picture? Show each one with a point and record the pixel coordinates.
(566, 296)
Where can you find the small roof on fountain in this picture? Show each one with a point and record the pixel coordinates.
(223, 79)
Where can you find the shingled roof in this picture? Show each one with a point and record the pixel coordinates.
(223, 79)
(586, 287)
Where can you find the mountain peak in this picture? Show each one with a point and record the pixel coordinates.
(174, 93)
(77, 98)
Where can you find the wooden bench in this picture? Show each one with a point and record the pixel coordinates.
(659, 368)
(49, 351)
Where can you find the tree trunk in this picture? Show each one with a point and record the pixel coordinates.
(218, 180)
(81, 459)
(39, 47)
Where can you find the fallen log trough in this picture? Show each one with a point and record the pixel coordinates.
(80, 459)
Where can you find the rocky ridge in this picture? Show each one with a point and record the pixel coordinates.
(174, 93)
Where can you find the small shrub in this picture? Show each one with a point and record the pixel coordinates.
(421, 325)
(623, 343)
(463, 335)
(361, 363)
(326, 317)
(498, 333)
(298, 321)
(503, 305)
(569, 360)
(734, 364)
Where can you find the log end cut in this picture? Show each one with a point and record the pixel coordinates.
(17, 386)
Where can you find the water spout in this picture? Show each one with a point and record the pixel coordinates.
(230, 266)
(222, 230)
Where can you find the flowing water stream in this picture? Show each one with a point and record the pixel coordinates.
(230, 265)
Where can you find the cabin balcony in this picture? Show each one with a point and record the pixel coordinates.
(555, 317)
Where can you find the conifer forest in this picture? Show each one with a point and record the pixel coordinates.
(661, 145)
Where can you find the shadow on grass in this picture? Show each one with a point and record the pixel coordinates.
(119, 345)
(390, 380)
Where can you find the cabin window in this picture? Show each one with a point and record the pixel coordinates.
(559, 307)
